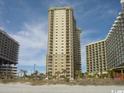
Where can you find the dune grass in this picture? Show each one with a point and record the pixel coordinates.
(74, 82)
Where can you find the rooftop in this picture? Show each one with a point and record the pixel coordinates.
(92, 43)
(60, 8)
(3, 32)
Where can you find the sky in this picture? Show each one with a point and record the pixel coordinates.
(27, 22)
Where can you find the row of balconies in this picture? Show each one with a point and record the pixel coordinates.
(10, 60)
(8, 54)
(7, 66)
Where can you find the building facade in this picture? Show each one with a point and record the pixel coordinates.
(8, 55)
(96, 58)
(108, 55)
(63, 57)
(115, 42)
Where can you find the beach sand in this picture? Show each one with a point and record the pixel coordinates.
(27, 88)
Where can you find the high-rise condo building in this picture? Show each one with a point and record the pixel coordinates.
(8, 55)
(111, 58)
(63, 57)
(115, 43)
(96, 58)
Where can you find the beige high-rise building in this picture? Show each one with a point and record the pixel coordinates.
(63, 57)
(96, 58)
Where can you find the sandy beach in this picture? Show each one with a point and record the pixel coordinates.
(26, 88)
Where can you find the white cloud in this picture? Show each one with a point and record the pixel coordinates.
(33, 35)
(33, 43)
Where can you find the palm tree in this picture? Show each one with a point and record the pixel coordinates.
(36, 74)
(23, 73)
(78, 74)
(110, 73)
(58, 74)
(64, 72)
(49, 75)
(42, 76)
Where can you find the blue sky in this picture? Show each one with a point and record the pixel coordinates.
(26, 21)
